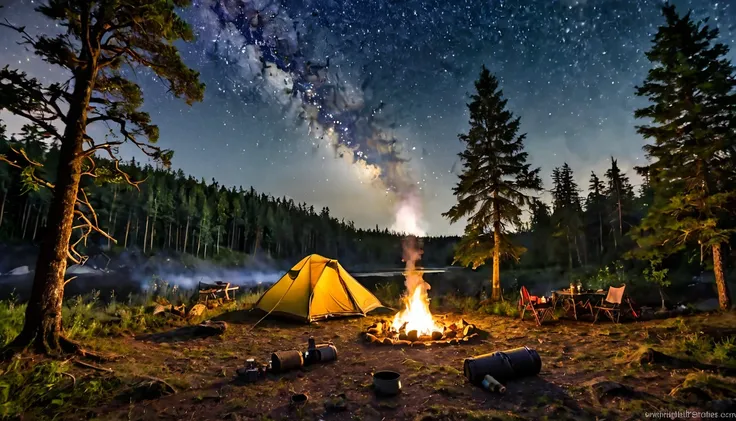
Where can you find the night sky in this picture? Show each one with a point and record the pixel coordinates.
(395, 89)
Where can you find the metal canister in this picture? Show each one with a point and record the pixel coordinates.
(326, 352)
(495, 364)
(286, 360)
(489, 383)
(524, 361)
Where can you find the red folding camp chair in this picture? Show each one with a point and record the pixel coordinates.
(541, 311)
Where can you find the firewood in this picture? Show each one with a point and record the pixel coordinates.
(424, 338)
(454, 341)
(450, 334)
(374, 331)
(403, 336)
(468, 330)
(436, 336)
(387, 341)
(402, 343)
(371, 338)
(412, 335)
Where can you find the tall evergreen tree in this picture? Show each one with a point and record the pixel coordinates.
(619, 194)
(595, 207)
(567, 213)
(496, 180)
(99, 38)
(691, 163)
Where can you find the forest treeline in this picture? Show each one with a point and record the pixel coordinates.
(172, 211)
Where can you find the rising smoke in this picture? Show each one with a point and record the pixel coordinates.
(262, 47)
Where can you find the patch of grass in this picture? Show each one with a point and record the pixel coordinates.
(717, 387)
(725, 351)
(445, 412)
(30, 387)
(389, 293)
(12, 315)
(87, 317)
(453, 302)
(704, 349)
(502, 308)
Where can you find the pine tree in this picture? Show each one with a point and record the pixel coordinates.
(567, 211)
(595, 207)
(619, 194)
(691, 158)
(495, 182)
(99, 38)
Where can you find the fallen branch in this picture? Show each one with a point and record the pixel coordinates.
(94, 367)
(74, 379)
(72, 347)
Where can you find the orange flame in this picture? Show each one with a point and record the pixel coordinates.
(416, 314)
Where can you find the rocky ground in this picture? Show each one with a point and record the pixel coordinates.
(601, 371)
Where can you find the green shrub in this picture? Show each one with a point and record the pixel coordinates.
(389, 293)
(502, 308)
(454, 302)
(12, 315)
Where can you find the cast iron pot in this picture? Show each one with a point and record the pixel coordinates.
(387, 383)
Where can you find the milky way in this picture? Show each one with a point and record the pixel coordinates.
(400, 71)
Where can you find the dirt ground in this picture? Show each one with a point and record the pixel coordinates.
(577, 357)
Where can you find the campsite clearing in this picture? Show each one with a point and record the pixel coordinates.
(587, 372)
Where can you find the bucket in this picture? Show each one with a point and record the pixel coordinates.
(524, 361)
(286, 360)
(299, 399)
(387, 383)
(326, 353)
(495, 364)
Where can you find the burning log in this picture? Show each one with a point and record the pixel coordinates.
(412, 335)
(436, 336)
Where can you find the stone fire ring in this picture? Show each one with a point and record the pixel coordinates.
(460, 332)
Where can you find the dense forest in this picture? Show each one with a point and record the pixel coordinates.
(171, 211)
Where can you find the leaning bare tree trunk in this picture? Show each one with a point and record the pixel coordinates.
(186, 235)
(724, 296)
(26, 218)
(600, 234)
(127, 228)
(145, 235)
(2, 208)
(35, 226)
(496, 285)
(109, 218)
(42, 326)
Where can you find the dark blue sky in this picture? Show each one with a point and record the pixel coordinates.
(399, 70)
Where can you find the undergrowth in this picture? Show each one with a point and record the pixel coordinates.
(28, 387)
(705, 349)
(89, 316)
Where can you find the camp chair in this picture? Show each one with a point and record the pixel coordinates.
(541, 311)
(611, 305)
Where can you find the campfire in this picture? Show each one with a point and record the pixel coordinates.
(414, 324)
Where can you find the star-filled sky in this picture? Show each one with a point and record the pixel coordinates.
(350, 103)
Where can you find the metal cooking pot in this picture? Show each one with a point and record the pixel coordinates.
(387, 382)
